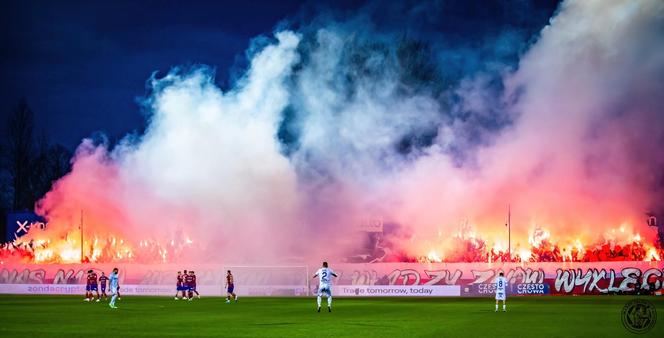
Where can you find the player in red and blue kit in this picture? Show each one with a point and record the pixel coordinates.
(230, 286)
(190, 282)
(193, 285)
(90, 286)
(185, 285)
(179, 286)
(102, 283)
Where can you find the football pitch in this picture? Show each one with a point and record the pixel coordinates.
(545, 316)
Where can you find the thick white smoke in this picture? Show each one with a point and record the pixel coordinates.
(581, 158)
(216, 153)
(579, 155)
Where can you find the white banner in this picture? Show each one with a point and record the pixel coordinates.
(154, 290)
(396, 290)
(79, 289)
(43, 289)
(389, 279)
(271, 290)
(266, 290)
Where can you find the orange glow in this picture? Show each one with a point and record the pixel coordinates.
(653, 255)
(618, 243)
(36, 247)
(525, 255)
(434, 257)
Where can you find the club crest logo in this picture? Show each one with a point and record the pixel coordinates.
(639, 316)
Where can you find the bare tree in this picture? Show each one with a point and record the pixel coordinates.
(20, 151)
(28, 169)
(51, 163)
(5, 192)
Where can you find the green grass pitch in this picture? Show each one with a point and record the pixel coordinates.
(69, 316)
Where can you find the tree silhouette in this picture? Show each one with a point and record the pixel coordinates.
(27, 169)
(21, 152)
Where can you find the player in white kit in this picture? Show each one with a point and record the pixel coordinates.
(324, 275)
(501, 287)
(114, 285)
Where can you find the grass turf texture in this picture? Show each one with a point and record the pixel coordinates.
(69, 316)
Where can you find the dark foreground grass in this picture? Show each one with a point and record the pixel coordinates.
(68, 316)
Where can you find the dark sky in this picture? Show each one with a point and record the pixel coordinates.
(82, 64)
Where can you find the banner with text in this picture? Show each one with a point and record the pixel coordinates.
(471, 279)
(397, 290)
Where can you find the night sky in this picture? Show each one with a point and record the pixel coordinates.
(82, 65)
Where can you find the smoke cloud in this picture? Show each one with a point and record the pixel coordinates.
(338, 121)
